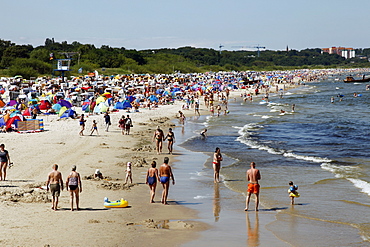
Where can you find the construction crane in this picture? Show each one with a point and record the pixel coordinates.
(258, 47)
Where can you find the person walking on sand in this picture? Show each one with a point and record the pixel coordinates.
(217, 158)
(122, 124)
(151, 179)
(82, 124)
(171, 139)
(107, 121)
(158, 138)
(94, 128)
(75, 187)
(128, 124)
(253, 175)
(55, 183)
(165, 173)
(4, 161)
(128, 173)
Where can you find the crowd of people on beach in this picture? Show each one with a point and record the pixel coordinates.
(106, 95)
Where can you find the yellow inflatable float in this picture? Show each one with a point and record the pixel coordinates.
(115, 204)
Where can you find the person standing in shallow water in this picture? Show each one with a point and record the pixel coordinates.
(158, 138)
(217, 158)
(253, 175)
(165, 173)
(171, 139)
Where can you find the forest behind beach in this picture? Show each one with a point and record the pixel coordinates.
(28, 61)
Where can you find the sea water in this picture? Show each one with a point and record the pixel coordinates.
(322, 147)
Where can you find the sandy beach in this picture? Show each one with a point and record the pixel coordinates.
(199, 211)
(27, 215)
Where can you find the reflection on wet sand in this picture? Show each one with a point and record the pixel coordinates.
(252, 232)
(216, 202)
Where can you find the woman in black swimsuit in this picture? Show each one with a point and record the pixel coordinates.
(4, 161)
(171, 139)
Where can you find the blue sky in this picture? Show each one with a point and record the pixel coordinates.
(145, 24)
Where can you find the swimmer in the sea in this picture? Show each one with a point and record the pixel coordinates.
(203, 133)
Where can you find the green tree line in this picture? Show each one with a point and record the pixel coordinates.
(29, 61)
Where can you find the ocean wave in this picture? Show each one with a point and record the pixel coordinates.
(342, 171)
(363, 185)
(246, 132)
(202, 197)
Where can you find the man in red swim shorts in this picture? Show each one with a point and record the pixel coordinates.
(253, 175)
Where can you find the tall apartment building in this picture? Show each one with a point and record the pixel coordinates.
(341, 51)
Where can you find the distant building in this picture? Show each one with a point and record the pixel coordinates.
(341, 51)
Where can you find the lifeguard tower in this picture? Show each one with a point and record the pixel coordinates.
(63, 65)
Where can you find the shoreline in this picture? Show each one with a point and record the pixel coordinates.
(141, 223)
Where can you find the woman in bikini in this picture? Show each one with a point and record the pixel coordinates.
(74, 185)
(122, 124)
(82, 124)
(158, 137)
(171, 139)
(151, 179)
(217, 158)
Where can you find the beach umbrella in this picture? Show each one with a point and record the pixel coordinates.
(100, 99)
(107, 95)
(65, 103)
(12, 103)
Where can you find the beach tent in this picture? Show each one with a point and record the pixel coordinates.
(27, 112)
(68, 113)
(56, 107)
(45, 105)
(62, 110)
(118, 105)
(130, 98)
(13, 120)
(101, 107)
(126, 104)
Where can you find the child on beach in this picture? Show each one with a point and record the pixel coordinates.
(128, 173)
(293, 192)
(94, 128)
